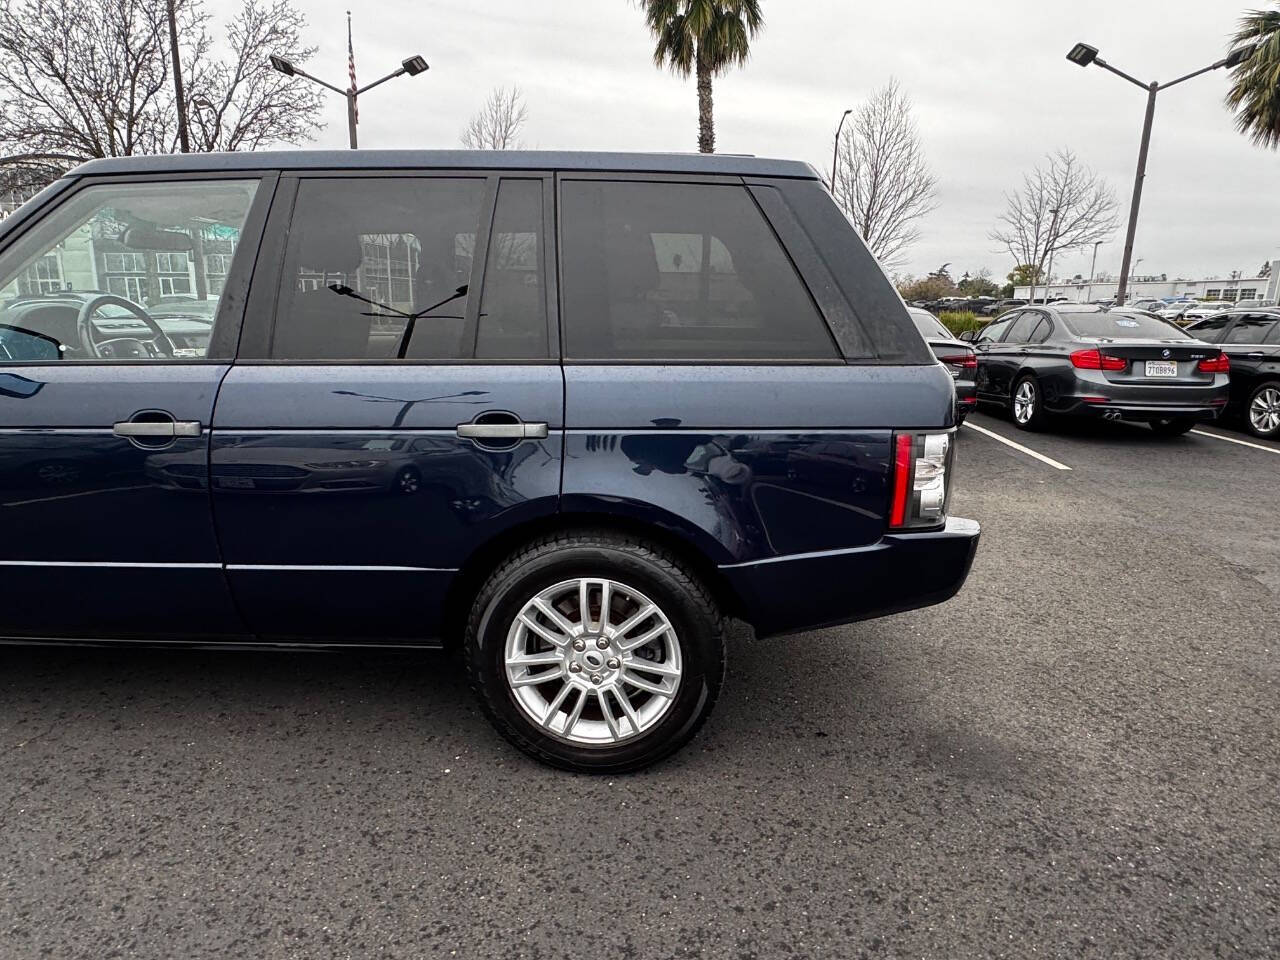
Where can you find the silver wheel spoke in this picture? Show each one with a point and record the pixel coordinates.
(554, 615)
(552, 638)
(577, 712)
(537, 659)
(554, 707)
(659, 668)
(649, 637)
(632, 717)
(606, 598)
(640, 616)
(614, 727)
(648, 686)
(532, 679)
(584, 604)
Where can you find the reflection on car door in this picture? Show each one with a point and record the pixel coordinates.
(104, 495)
(391, 412)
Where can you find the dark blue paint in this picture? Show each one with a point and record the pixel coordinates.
(361, 466)
(71, 492)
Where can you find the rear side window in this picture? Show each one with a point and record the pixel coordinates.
(678, 271)
(994, 331)
(1251, 330)
(1022, 327)
(381, 269)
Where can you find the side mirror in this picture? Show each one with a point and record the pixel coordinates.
(968, 336)
(19, 344)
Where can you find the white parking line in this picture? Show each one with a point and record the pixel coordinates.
(1017, 446)
(1243, 443)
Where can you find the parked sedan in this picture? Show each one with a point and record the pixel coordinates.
(954, 354)
(1251, 338)
(1082, 360)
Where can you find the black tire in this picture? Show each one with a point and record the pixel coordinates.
(1035, 417)
(1269, 390)
(665, 580)
(1174, 427)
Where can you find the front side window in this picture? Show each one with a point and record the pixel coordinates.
(680, 271)
(380, 268)
(119, 272)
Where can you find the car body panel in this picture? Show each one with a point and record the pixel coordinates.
(1252, 363)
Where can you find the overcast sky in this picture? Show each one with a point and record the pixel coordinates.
(992, 90)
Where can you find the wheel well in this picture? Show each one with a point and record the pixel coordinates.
(482, 562)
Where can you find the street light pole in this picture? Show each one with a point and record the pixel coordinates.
(1093, 269)
(1082, 55)
(412, 66)
(835, 155)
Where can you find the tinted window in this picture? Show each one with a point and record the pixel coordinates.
(1252, 329)
(513, 309)
(1209, 330)
(1042, 331)
(1020, 332)
(379, 268)
(1122, 326)
(680, 271)
(158, 253)
(994, 331)
(930, 326)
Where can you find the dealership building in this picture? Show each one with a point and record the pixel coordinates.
(1216, 288)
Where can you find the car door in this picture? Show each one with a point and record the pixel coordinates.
(1006, 358)
(392, 412)
(120, 315)
(1251, 344)
(992, 376)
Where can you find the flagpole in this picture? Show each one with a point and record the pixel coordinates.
(352, 117)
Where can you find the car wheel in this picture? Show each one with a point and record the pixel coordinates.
(1174, 427)
(408, 481)
(595, 652)
(1262, 416)
(1027, 405)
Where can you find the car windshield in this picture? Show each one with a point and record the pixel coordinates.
(930, 326)
(1117, 325)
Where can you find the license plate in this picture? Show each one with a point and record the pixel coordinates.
(1162, 368)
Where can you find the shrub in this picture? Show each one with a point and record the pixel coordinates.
(958, 321)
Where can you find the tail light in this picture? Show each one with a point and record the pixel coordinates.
(965, 361)
(922, 466)
(1219, 364)
(1096, 360)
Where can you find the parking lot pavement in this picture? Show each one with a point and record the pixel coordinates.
(1078, 756)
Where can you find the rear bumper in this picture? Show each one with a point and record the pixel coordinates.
(1144, 412)
(1095, 396)
(899, 572)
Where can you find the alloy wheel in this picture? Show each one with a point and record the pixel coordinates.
(593, 661)
(1024, 401)
(1264, 411)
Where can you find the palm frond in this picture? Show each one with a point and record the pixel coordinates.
(1255, 84)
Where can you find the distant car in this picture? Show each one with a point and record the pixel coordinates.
(1082, 360)
(1000, 306)
(1147, 303)
(957, 356)
(1254, 303)
(1251, 338)
(1201, 311)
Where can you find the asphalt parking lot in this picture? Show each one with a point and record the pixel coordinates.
(1078, 756)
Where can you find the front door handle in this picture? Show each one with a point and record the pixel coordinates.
(157, 428)
(1256, 355)
(503, 431)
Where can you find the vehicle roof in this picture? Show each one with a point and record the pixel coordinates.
(719, 163)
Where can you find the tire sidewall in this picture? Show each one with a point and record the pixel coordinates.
(701, 650)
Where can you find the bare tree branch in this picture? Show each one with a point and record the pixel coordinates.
(1061, 207)
(81, 79)
(882, 180)
(498, 123)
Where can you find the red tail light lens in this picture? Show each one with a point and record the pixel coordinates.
(1219, 364)
(1096, 360)
(966, 361)
(903, 445)
(922, 464)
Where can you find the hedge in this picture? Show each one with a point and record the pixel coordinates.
(958, 321)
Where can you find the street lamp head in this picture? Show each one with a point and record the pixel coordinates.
(1239, 55)
(1082, 54)
(414, 66)
(281, 65)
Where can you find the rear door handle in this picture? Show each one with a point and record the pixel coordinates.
(158, 428)
(1257, 355)
(503, 431)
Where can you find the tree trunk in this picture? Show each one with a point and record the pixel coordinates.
(706, 119)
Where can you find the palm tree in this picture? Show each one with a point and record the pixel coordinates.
(1255, 86)
(703, 37)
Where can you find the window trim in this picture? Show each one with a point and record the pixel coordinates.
(229, 320)
(563, 177)
(266, 293)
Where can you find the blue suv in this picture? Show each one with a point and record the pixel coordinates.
(570, 412)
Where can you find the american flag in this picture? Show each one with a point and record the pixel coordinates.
(351, 69)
